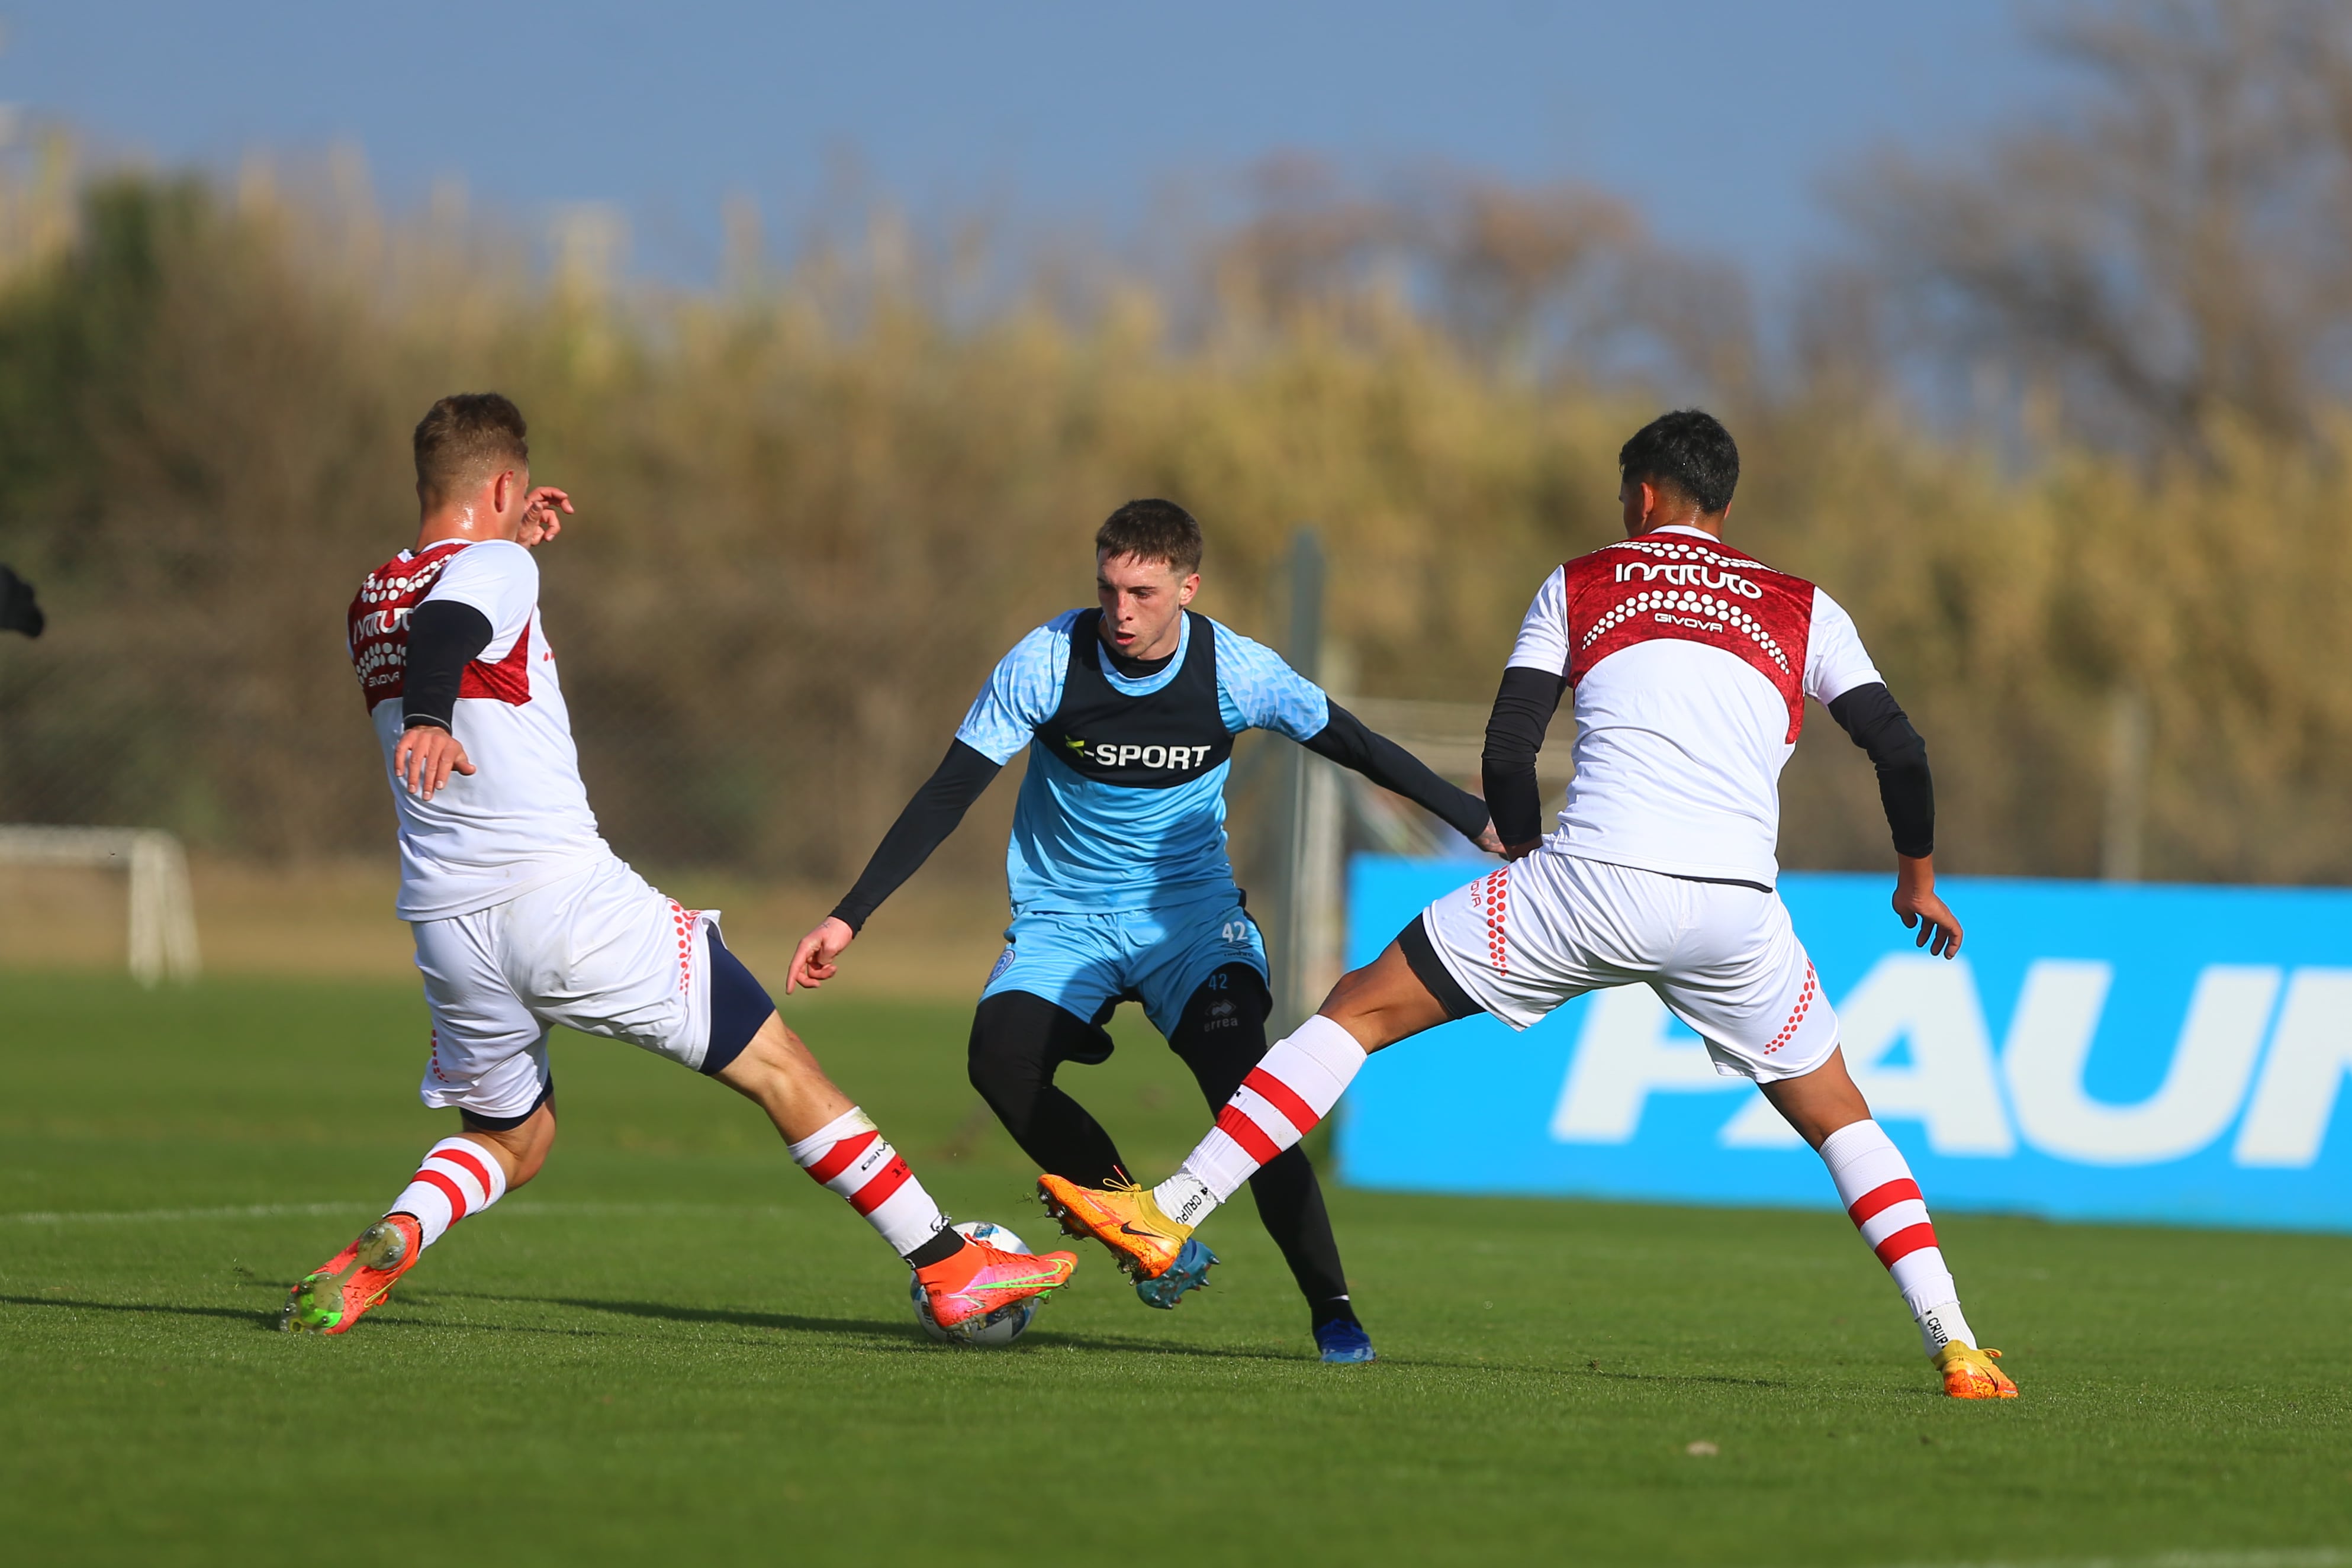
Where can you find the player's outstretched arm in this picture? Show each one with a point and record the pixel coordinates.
(1907, 791)
(1345, 741)
(937, 808)
(1524, 705)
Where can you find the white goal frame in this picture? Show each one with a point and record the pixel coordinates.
(163, 909)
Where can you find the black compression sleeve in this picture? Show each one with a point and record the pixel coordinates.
(1524, 705)
(1906, 788)
(443, 637)
(1345, 741)
(962, 774)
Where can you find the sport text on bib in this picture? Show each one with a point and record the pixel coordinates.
(1156, 741)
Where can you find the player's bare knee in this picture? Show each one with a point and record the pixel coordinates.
(776, 1067)
(1818, 1103)
(765, 1061)
(521, 1150)
(1382, 1003)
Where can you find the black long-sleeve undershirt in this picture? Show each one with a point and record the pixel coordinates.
(443, 637)
(1528, 698)
(1906, 788)
(965, 773)
(1345, 740)
(962, 776)
(1524, 705)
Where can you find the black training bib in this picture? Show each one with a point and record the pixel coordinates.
(1172, 737)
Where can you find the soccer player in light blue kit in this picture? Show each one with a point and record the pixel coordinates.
(1120, 886)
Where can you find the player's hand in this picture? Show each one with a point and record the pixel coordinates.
(425, 759)
(812, 960)
(1489, 840)
(539, 521)
(1916, 902)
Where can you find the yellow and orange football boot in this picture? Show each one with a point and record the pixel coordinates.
(1969, 1373)
(980, 1279)
(338, 1294)
(1122, 1217)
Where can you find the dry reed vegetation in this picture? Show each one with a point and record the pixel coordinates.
(813, 511)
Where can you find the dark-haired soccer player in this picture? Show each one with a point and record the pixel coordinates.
(1691, 664)
(1117, 872)
(524, 917)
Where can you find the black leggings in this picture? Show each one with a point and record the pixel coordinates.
(1019, 1039)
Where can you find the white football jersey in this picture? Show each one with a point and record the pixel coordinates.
(1691, 664)
(521, 819)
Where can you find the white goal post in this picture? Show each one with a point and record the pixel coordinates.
(162, 910)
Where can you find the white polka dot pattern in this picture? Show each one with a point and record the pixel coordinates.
(1679, 587)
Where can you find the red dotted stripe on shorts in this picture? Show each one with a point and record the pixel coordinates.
(1492, 893)
(684, 919)
(1804, 1005)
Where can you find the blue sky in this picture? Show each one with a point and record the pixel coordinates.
(1720, 119)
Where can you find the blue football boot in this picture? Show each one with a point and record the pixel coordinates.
(1342, 1342)
(1189, 1272)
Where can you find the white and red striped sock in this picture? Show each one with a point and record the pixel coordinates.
(1295, 1084)
(1873, 1182)
(457, 1178)
(850, 1157)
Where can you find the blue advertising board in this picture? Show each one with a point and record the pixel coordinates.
(2099, 1052)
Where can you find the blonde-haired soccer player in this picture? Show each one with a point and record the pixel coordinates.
(524, 918)
(1691, 662)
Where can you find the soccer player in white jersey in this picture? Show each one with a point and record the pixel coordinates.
(525, 919)
(1691, 662)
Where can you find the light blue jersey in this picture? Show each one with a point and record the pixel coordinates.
(1083, 845)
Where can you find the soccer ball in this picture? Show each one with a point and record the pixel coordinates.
(1001, 1327)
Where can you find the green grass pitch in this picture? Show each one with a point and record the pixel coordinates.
(674, 1347)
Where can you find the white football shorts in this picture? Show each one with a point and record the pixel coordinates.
(1521, 940)
(600, 951)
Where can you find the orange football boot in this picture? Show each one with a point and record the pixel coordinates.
(1124, 1218)
(978, 1279)
(1969, 1373)
(337, 1294)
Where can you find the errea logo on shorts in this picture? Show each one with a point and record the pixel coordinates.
(1121, 754)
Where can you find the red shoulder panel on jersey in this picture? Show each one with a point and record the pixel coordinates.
(1696, 591)
(508, 681)
(379, 633)
(379, 617)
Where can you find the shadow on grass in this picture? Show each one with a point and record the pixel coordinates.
(890, 1334)
(140, 1307)
(895, 1333)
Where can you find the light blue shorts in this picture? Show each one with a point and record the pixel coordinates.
(1160, 957)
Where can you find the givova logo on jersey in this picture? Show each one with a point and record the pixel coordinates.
(1132, 754)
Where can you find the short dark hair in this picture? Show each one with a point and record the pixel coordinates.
(1688, 450)
(465, 434)
(1153, 530)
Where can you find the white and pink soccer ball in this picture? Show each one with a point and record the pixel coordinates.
(999, 1328)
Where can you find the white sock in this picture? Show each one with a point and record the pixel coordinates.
(850, 1157)
(1874, 1181)
(1302, 1076)
(457, 1178)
